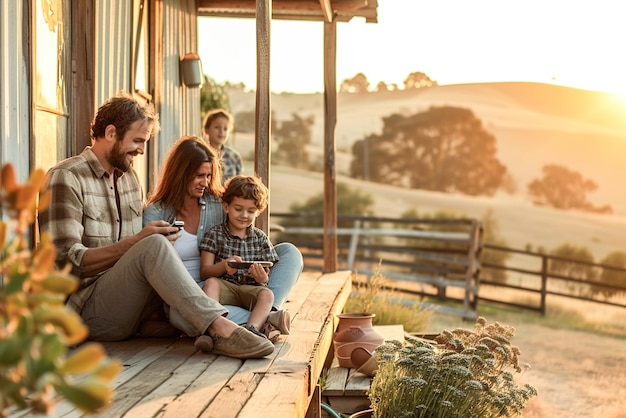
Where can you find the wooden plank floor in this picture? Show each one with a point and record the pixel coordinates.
(170, 378)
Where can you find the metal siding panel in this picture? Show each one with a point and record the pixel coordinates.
(180, 105)
(14, 87)
(113, 47)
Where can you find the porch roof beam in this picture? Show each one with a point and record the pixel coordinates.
(316, 10)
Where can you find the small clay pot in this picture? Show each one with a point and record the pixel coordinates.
(364, 361)
(368, 413)
(355, 330)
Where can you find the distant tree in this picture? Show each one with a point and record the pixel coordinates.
(416, 80)
(573, 262)
(612, 276)
(493, 235)
(356, 84)
(245, 121)
(212, 96)
(509, 184)
(293, 136)
(235, 87)
(410, 213)
(381, 87)
(562, 188)
(443, 149)
(350, 201)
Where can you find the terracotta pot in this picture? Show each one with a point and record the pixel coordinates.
(368, 413)
(354, 330)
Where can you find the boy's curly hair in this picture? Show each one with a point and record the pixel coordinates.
(247, 187)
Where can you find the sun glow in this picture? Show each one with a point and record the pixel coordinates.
(576, 44)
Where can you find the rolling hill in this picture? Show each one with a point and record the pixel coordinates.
(535, 124)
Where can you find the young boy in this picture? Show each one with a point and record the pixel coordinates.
(238, 239)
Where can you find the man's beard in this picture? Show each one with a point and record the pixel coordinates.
(118, 158)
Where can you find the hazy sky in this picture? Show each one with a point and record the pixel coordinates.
(576, 43)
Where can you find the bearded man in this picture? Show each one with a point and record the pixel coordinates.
(127, 271)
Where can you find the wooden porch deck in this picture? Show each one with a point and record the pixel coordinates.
(170, 378)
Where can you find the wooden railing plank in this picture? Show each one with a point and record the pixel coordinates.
(297, 370)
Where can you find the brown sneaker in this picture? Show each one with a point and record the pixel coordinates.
(204, 343)
(280, 320)
(254, 330)
(270, 332)
(242, 344)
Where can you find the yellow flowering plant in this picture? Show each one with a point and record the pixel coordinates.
(36, 328)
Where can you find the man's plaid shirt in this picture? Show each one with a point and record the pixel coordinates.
(84, 213)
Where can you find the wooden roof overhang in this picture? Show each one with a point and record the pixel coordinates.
(330, 12)
(316, 10)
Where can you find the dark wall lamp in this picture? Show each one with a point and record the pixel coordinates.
(191, 70)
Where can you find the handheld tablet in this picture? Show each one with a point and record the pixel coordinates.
(246, 264)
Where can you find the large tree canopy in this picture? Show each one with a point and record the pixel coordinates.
(443, 149)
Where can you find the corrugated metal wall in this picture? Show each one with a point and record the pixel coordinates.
(114, 24)
(14, 86)
(180, 107)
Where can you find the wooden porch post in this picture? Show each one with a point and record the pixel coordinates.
(262, 126)
(82, 102)
(330, 121)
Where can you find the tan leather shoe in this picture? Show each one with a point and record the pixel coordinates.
(281, 320)
(270, 332)
(204, 343)
(242, 344)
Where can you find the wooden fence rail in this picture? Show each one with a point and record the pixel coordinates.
(577, 285)
(439, 254)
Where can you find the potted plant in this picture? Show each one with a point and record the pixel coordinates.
(463, 373)
(36, 328)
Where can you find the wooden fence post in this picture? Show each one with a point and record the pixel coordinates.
(544, 283)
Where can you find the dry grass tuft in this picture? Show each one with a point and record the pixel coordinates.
(373, 296)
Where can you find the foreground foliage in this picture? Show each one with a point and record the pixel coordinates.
(468, 373)
(35, 326)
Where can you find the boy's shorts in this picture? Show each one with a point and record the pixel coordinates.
(242, 295)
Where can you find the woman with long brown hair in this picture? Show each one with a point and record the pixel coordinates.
(189, 189)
